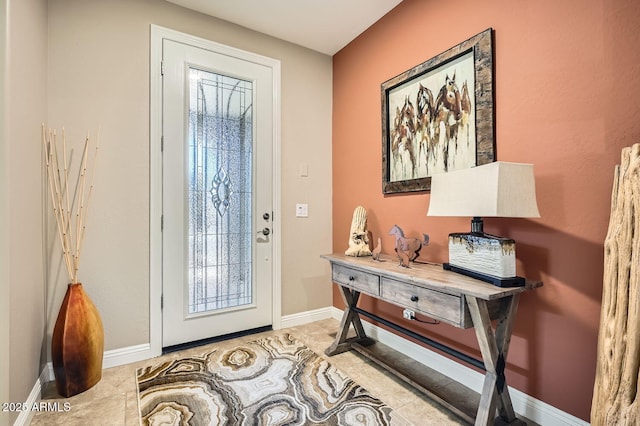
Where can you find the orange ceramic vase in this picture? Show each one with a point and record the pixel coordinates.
(77, 344)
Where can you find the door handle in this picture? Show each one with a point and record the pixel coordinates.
(265, 231)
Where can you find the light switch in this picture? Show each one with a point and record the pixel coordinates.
(302, 210)
(304, 170)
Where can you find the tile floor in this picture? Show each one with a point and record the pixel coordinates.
(113, 401)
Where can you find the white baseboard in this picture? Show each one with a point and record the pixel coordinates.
(25, 417)
(128, 355)
(112, 358)
(523, 404)
(306, 317)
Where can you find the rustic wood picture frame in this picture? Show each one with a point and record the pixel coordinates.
(427, 117)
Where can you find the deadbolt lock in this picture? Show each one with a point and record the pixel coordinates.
(265, 231)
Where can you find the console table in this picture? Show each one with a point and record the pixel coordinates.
(446, 296)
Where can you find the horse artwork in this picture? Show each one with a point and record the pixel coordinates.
(437, 133)
(402, 139)
(424, 118)
(448, 114)
(465, 104)
(407, 249)
(438, 116)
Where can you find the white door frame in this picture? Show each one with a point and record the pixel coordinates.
(155, 174)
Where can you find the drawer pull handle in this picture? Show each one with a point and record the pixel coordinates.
(352, 278)
(414, 298)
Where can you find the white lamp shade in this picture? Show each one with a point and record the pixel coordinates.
(498, 189)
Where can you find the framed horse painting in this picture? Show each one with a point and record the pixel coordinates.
(439, 116)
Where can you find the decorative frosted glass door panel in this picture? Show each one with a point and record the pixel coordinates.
(217, 187)
(220, 177)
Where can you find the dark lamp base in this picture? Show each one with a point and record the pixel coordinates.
(497, 281)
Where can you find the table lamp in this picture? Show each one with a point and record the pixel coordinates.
(498, 189)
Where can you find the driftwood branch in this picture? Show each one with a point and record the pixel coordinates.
(618, 364)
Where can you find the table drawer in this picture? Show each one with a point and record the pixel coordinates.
(437, 305)
(358, 280)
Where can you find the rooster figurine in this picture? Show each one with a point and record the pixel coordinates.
(403, 256)
(377, 250)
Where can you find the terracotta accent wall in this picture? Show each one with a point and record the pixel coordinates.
(567, 80)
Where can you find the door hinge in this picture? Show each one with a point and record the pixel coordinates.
(161, 67)
(162, 302)
(162, 223)
(162, 143)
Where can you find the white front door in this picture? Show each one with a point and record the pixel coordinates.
(217, 195)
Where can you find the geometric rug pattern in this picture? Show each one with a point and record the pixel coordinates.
(272, 381)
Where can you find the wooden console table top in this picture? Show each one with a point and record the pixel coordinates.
(429, 275)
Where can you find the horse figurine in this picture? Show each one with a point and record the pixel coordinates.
(407, 247)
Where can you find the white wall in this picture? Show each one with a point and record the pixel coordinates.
(98, 76)
(25, 110)
(4, 221)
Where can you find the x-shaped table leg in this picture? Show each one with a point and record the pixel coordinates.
(349, 317)
(494, 348)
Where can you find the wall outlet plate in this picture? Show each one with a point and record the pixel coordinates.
(408, 314)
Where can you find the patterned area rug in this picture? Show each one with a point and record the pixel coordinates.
(272, 381)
